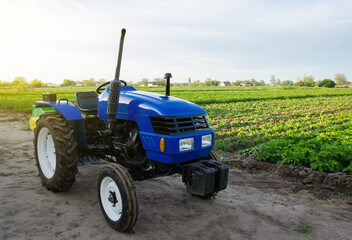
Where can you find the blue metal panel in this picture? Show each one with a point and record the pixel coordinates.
(72, 115)
(137, 105)
(151, 143)
(67, 109)
(175, 159)
(79, 132)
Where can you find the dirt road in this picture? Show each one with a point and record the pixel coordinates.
(254, 206)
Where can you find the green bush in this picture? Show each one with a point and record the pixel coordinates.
(327, 150)
(327, 83)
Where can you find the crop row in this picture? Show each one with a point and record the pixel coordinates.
(22, 100)
(243, 94)
(288, 131)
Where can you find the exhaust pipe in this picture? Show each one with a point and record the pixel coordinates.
(167, 76)
(115, 86)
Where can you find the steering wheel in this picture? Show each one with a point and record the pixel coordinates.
(102, 86)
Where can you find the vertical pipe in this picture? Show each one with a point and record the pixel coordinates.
(167, 76)
(115, 85)
(118, 67)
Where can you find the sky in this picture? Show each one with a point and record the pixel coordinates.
(52, 40)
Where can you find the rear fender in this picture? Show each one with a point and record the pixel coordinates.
(64, 107)
(71, 114)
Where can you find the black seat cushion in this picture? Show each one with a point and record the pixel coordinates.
(87, 101)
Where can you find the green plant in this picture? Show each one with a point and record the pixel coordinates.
(303, 228)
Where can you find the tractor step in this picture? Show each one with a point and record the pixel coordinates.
(205, 178)
(88, 160)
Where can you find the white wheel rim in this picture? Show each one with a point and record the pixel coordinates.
(112, 205)
(46, 153)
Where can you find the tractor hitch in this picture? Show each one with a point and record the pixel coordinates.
(205, 178)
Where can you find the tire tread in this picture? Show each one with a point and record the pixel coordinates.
(65, 148)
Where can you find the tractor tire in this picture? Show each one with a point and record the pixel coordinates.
(55, 150)
(117, 197)
(214, 156)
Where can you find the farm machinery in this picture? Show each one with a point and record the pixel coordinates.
(135, 135)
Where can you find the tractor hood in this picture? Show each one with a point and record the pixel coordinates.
(148, 103)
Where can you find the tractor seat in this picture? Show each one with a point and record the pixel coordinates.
(87, 102)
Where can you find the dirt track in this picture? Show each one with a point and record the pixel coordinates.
(254, 206)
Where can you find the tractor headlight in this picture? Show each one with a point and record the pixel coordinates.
(186, 144)
(206, 140)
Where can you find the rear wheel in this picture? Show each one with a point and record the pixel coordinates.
(117, 197)
(56, 151)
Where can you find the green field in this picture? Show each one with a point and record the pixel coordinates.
(296, 126)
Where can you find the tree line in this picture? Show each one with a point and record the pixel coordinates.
(305, 81)
(21, 82)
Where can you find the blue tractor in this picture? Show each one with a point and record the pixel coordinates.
(138, 135)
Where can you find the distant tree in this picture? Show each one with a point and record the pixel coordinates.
(68, 83)
(208, 82)
(35, 83)
(101, 81)
(211, 82)
(262, 83)
(160, 81)
(253, 82)
(274, 81)
(144, 82)
(287, 83)
(247, 83)
(340, 79)
(236, 83)
(19, 81)
(189, 82)
(306, 81)
(195, 83)
(23, 85)
(326, 83)
(4, 83)
(89, 83)
(299, 83)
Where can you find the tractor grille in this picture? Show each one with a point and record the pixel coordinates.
(179, 125)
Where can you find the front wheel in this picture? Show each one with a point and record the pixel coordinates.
(213, 155)
(117, 197)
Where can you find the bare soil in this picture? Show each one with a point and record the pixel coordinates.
(262, 201)
(321, 185)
